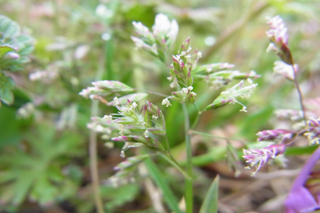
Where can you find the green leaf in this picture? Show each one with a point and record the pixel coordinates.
(5, 49)
(7, 97)
(11, 39)
(37, 174)
(6, 85)
(8, 27)
(118, 196)
(210, 203)
(168, 195)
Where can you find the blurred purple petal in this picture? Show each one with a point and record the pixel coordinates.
(299, 198)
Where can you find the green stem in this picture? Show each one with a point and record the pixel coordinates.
(174, 163)
(189, 182)
(213, 136)
(299, 93)
(150, 92)
(93, 145)
(198, 116)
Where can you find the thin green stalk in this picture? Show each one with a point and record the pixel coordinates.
(213, 136)
(150, 92)
(299, 93)
(198, 116)
(93, 145)
(189, 182)
(174, 163)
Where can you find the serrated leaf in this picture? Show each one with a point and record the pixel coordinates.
(11, 37)
(8, 27)
(36, 174)
(210, 203)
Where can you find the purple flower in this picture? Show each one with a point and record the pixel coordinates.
(261, 156)
(299, 198)
(313, 132)
(275, 134)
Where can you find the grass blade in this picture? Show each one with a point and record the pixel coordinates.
(210, 203)
(168, 195)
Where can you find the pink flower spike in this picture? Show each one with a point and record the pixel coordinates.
(275, 134)
(261, 156)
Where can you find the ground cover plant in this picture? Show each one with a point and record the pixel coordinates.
(110, 106)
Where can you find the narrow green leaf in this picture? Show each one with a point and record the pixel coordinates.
(210, 203)
(168, 195)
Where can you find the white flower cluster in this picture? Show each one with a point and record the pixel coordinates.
(285, 69)
(26, 110)
(164, 34)
(163, 27)
(278, 31)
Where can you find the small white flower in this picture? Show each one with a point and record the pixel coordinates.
(107, 118)
(155, 117)
(271, 47)
(185, 90)
(284, 69)
(193, 93)
(244, 109)
(188, 56)
(141, 29)
(146, 134)
(190, 88)
(163, 25)
(134, 105)
(166, 102)
(103, 11)
(199, 54)
(121, 128)
(116, 101)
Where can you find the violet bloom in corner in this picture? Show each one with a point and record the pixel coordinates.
(299, 198)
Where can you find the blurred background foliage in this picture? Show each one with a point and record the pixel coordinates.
(44, 164)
